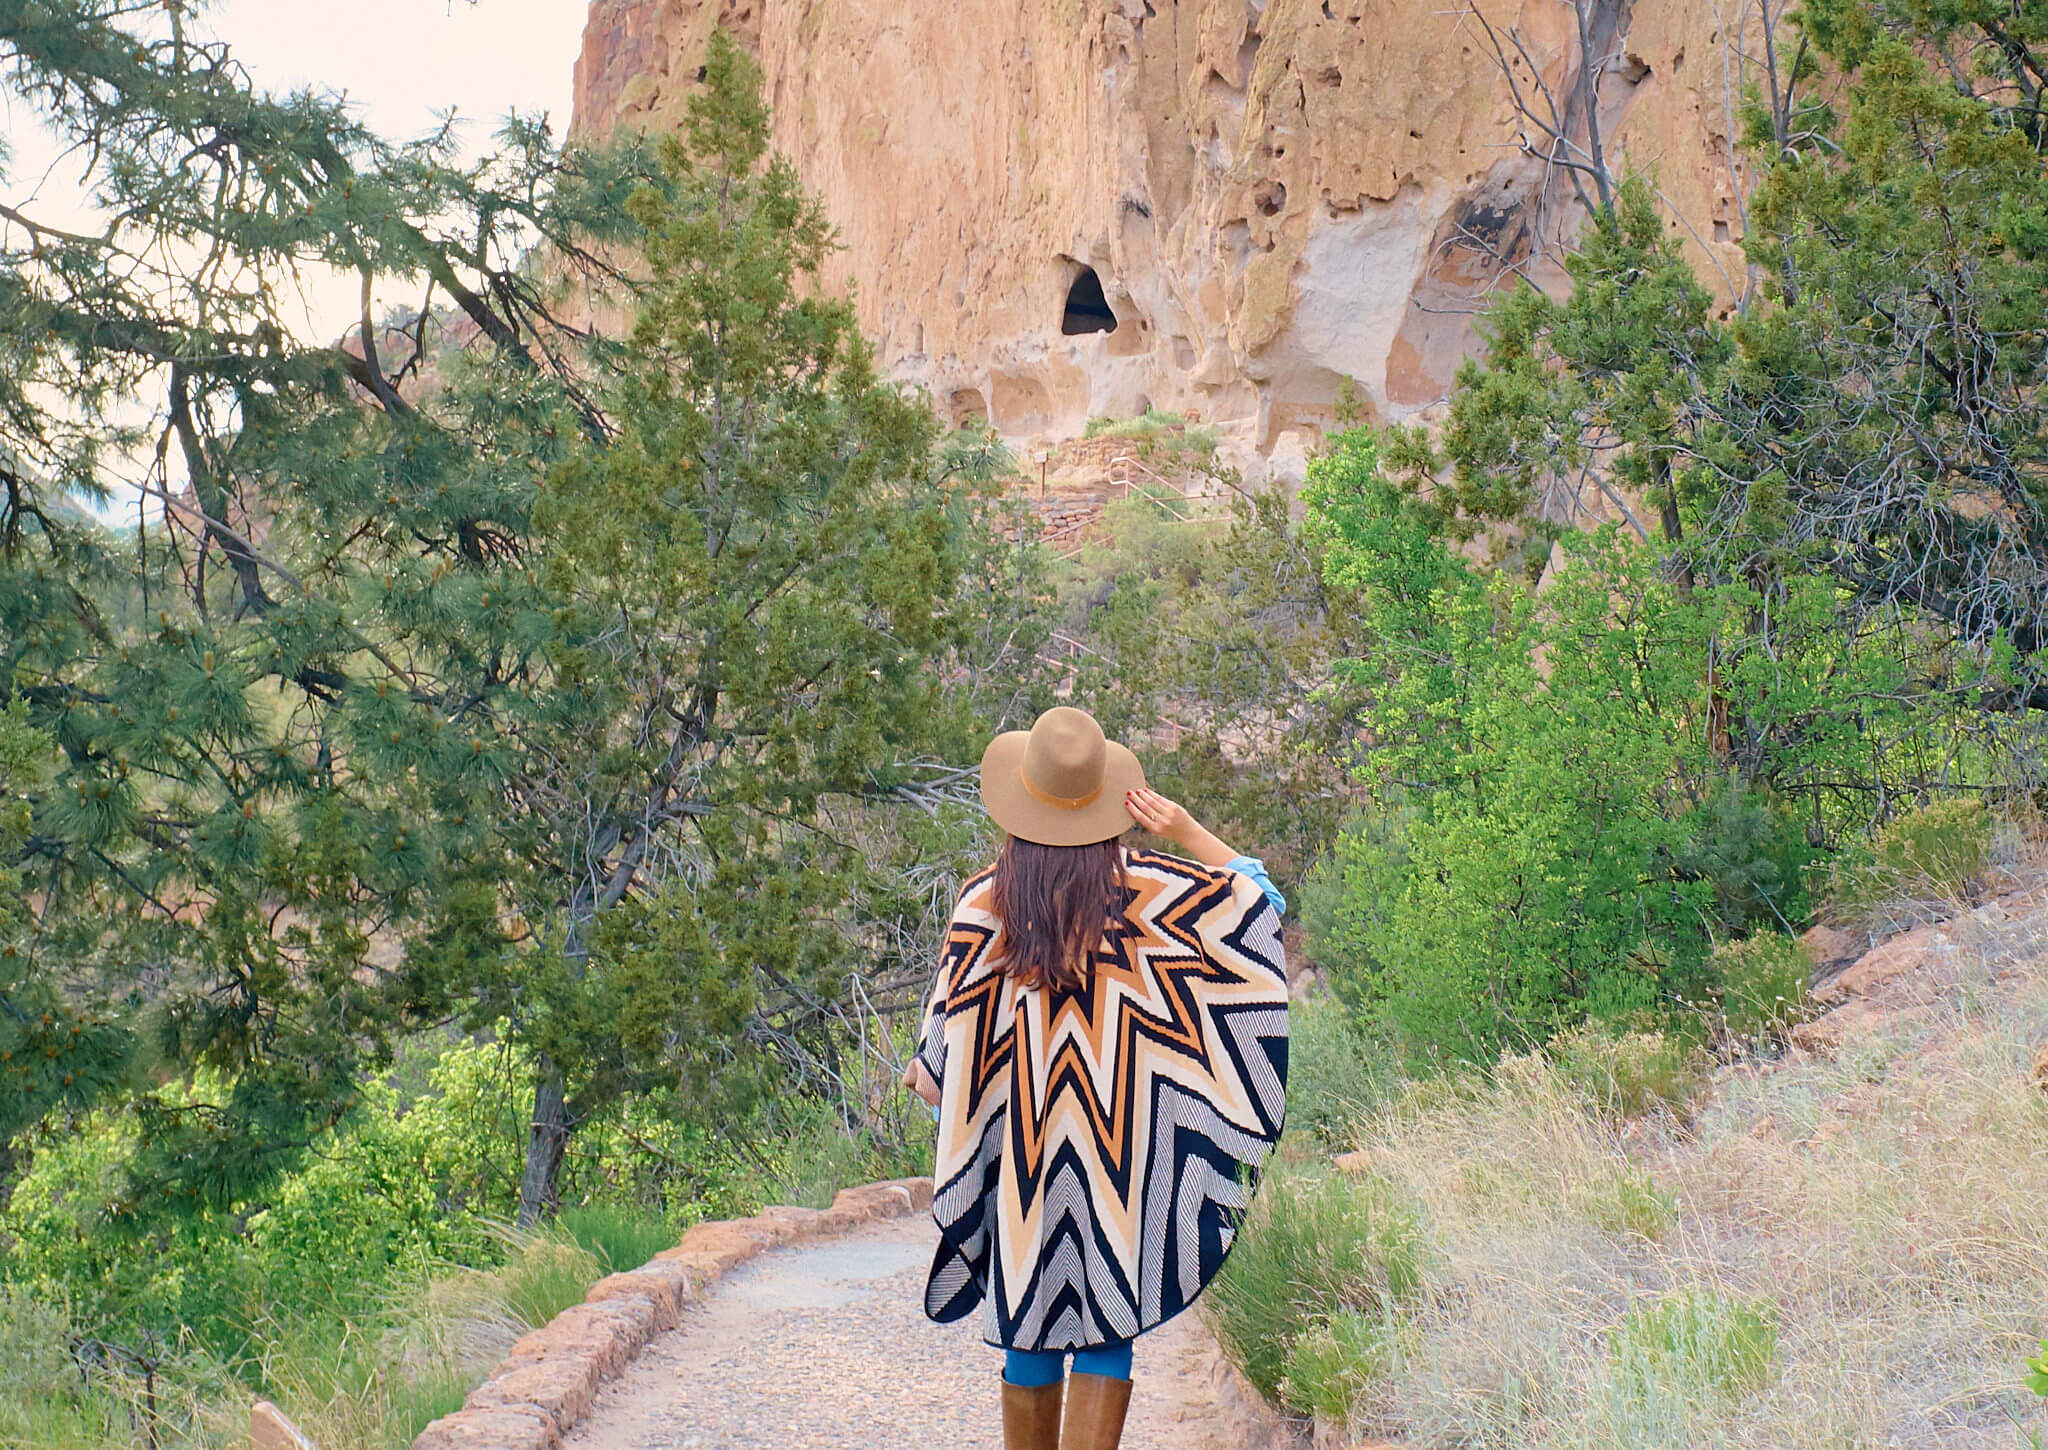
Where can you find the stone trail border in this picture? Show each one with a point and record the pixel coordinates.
(546, 1384)
(804, 1329)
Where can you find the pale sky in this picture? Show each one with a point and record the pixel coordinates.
(398, 61)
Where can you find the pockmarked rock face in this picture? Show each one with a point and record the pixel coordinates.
(1058, 209)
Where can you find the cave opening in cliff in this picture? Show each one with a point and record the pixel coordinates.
(1087, 309)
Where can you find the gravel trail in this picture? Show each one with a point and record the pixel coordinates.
(824, 1345)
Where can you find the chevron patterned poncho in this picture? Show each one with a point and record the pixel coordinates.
(1098, 1147)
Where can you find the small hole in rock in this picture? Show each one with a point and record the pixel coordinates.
(1087, 309)
(1720, 231)
(1271, 198)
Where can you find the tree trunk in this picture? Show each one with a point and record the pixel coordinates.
(546, 1140)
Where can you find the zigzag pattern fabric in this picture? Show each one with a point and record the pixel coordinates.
(1097, 1148)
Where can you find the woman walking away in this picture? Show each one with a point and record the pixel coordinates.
(1107, 1048)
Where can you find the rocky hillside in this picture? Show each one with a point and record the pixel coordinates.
(1256, 197)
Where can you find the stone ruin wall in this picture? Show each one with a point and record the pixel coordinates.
(1273, 194)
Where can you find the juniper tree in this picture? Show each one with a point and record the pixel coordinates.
(756, 580)
(1872, 414)
(1886, 422)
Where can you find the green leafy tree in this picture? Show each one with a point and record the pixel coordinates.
(1873, 412)
(1548, 832)
(1529, 766)
(1596, 391)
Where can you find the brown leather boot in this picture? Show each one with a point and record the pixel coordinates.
(1096, 1406)
(1031, 1416)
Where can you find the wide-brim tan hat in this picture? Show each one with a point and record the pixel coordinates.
(1060, 783)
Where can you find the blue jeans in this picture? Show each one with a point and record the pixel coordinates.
(1031, 1368)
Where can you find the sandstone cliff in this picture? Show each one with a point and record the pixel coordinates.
(1271, 195)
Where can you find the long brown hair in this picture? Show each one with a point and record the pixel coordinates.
(1055, 903)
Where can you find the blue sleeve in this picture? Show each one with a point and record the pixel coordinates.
(1253, 867)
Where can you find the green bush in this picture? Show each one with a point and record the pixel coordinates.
(376, 1203)
(1334, 1363)
(1314, 1245)
(1522, 835)
(1752, 850)
(1939, 853)
(1334, 1076)
(1701, 1341)
(1626, 1074)
(2037, 1371)
(1761, 984)
(1551, 833)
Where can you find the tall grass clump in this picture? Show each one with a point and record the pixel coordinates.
(617, 1236)
(545, 1274)
(1705, 1342)
(378, 1379)
(1154, 424)
(1315, 1246)
(1626, 1074)
(1336, 1364)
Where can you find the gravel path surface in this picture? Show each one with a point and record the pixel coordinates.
(826, 1345)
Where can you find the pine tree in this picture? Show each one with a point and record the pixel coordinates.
(250, 845)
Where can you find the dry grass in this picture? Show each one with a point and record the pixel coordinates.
(1882, 1215)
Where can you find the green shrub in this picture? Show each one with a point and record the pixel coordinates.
(1753, 852)
(1334, 1076)
(1627, 1074)
(1522, 833)
(1314, 1245)
(1333, 1363)
(1937, 853)
(1631, 1203)
(1549, 833)
(1761, 984)
(2037, 1371)
(1704, 1342)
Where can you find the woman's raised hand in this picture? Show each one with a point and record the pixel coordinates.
(1157, 814)
(1170, 819)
